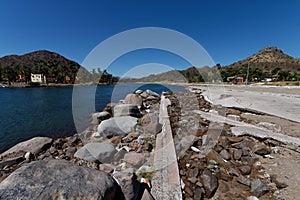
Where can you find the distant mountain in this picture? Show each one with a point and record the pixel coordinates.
(189, 75)
(268, 59)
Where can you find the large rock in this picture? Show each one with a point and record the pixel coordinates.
(98, 117)
(103, 152)
(210, 183)
(258, 188)
(131, 187)
(34, 145)
(151, 93)
(134, 99)
(150, 123)
(117, 126)
(58, 179)
(134, 159)
(126, 110)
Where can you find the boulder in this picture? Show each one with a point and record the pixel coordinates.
(261, 149)
(144, 95)
(126, 110)
(131, 187)
(117, 126)
(98, 117)
(210, 183)
(138, 92)
(150, 123)
(86, 136)
(34, 145)
(59, 179)
(103, 152)
(258, 188)
(151, 93)
(134, 159)
(134, 99)
(110, 107)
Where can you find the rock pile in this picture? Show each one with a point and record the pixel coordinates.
(118, 143)
(215, 164)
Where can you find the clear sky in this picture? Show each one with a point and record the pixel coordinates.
(229, 30)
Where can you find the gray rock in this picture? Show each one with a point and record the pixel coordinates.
(34, 145)
(134, 99)
(141, 140)
(134, 159)
(71, 151)
(108, 168)
(144, 95)
(261, 149)
(150, 123)
(147, 195)
(126, 110)
(98, 117)
(258, 188)
(103, 152)
(152, 98)
(150, 92)
(58, 179)
(245, 169)
(225, 154)
(237, 154)
(131, 187)
(120, 155)
(245, 181)
(198, 194)
(138, 92)
(117, 126)
(11, 161)
(210, 183)
(86, 136)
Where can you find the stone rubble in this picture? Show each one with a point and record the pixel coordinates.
(120, 142)
(217, 164)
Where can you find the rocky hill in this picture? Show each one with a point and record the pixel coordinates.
(268, 59)
(54, 66)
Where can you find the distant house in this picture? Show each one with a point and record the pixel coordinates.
(36, 78)
(67, 79)
(235, 79)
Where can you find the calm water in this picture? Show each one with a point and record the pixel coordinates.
(29, 112)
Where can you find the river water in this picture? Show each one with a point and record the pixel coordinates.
(47, 111)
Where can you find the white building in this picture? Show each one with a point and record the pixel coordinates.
(36, 78)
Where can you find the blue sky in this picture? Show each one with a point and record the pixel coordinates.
(228, 30)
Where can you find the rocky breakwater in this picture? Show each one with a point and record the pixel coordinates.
(111, 159)
(216, 164)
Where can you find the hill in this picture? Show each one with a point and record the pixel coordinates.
(191, 74)
(269, 62)
(269, 58)
(55, 67)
